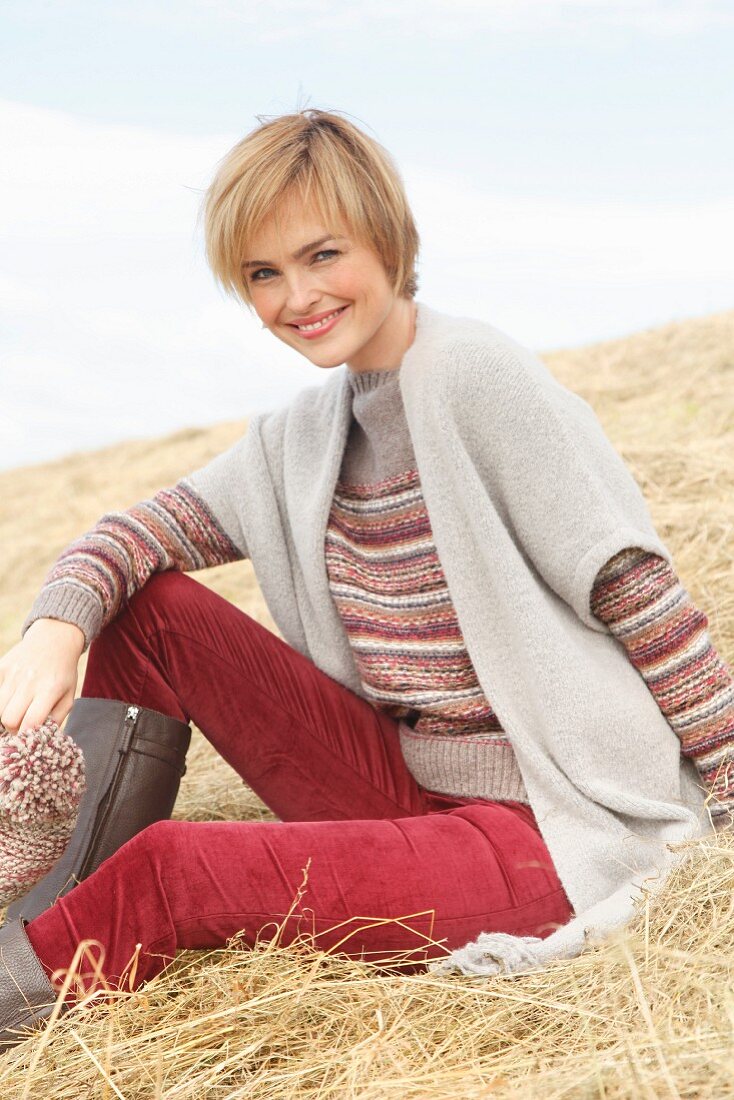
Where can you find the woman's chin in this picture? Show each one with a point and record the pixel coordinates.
(327, 364)
(324, 358)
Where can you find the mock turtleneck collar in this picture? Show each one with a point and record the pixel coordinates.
(364, 381)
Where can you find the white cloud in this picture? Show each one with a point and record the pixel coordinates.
(665, 241)
(60, 172)
(460, 18)
(273, 20)
(111, 326)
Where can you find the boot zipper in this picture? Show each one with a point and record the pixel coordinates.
(131, 717)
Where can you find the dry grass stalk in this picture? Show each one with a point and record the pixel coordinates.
(648, 1014)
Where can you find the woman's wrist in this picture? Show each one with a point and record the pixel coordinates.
(62, 629)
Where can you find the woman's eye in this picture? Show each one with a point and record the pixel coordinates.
(255, 277)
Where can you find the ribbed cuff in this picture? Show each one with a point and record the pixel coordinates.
(66, 601)
(463, 767)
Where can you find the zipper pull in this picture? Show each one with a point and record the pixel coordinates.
(131, 717)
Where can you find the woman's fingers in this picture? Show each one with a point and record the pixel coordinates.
(7, 681)
(24, 710)
(48, 704)
(31, 704)
(15, 699)
(17, 687)
(11, 716)
(27, 710)
(38, 678)
(64, 705)
(36, 715)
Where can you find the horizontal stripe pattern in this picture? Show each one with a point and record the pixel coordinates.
(642, 600)
(99, 572)
(392, 597)
(393, 600)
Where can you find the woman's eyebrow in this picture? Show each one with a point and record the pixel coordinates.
(296, 255)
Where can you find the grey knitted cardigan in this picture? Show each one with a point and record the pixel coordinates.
(527, 500)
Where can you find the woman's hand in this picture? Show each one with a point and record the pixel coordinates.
(38, 676)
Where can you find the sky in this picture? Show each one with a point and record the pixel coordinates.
(570, 167)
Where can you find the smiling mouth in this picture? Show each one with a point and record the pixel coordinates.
(324, 323)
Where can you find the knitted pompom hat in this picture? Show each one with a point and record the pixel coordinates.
(42, 781)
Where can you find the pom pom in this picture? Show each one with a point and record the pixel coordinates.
(42, 780)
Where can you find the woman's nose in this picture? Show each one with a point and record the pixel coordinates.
(303, 294)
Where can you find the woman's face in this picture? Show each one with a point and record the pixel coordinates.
(303, 270)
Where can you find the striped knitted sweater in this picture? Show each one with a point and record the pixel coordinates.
(391, 594)
(392, 597)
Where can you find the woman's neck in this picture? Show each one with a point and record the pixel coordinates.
(385, 350)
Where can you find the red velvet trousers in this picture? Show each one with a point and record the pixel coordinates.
(396, 872)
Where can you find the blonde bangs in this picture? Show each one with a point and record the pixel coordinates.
(317, 158)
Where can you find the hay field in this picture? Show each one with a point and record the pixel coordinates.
(650, 1014)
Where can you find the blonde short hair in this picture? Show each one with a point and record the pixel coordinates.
(314, 155)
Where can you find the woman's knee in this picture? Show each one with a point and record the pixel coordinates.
(147, 858)
(149, 607)
(160, 843)
(166, 588)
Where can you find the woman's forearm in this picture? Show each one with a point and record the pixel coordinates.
(641, 599)
(97, 574)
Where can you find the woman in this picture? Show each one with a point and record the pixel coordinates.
(485, 720)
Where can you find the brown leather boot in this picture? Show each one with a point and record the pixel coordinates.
(27, 997)
(134, 758)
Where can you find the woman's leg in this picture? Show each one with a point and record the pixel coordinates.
(310, 748)
(374, 888)
(391, 868)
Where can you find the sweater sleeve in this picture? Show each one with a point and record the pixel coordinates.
(191, 525)
(642, 601)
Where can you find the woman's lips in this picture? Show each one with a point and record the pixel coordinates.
(323, 329)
